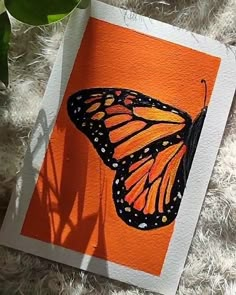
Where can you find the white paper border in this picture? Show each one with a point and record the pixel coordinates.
(199, 176)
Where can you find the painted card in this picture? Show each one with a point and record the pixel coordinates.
(123, 148)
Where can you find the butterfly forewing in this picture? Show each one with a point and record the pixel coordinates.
(122, 122)
(144, 141)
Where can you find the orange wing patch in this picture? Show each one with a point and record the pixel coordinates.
(98, 116)
(117, 120)
(150, 207)
(141, 200)
(161, 160)
(154, 114)
(93, 99)
(93, 107)
(150, 182)
(136, 190)
(146, 137)
(129, 99)
(126, 130)
(137, 164)
(139, 173)
(117, 109)
(169, 178)
(109, 101)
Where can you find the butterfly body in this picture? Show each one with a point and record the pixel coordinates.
(149, 144)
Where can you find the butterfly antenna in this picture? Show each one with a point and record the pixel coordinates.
(205, 98)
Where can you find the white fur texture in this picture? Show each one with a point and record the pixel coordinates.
(211, 263)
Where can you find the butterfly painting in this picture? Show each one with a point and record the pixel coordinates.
(148, 143)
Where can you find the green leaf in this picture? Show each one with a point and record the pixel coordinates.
(2, 7)
(40, 12)
(5, 33)
(84, 4)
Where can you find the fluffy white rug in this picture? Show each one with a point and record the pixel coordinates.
(211, 263)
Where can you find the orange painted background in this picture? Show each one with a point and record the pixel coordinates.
(72, 203)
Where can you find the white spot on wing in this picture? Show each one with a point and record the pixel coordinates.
(142, 225)
(179, 195)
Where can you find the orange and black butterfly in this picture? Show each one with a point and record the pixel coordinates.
(149, 144)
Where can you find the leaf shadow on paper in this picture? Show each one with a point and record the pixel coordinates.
(44, 218)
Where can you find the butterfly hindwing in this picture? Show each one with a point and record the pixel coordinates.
(139, 137)
(147, 194)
